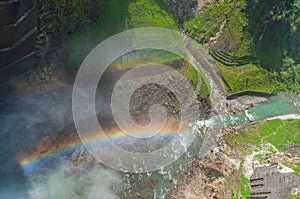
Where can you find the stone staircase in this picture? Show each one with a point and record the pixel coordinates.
(267, 182)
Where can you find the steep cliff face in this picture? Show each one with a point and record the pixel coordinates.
(31, 29)
(274, 25)
(118, 16)
(184, 10)
(18, 34)
(59, 18)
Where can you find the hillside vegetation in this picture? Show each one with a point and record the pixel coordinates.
(118, 16)
(255, 42)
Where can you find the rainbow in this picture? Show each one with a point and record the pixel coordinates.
(45, 154)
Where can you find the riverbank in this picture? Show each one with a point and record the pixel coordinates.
(225, 172)
(240, 149)
(286, 117)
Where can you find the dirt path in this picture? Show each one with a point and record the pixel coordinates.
(217, 90)
(205, 64)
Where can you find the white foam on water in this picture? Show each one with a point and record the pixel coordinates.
(250, 116)
(213, 121)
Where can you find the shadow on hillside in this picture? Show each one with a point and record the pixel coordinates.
(114, 19)
(270, 27)
(183, 10)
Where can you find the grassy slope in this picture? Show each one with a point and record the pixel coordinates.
(189, 72)
(118, 16)
(237, 39)
(249, 77)
(208, 20)
(122, 15)
(279, 133)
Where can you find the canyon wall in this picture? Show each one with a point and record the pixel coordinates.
(32, 32)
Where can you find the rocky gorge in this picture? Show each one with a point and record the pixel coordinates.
(232, 148)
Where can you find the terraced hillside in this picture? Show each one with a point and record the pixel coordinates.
(256, 43)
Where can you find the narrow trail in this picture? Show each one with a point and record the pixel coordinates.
(217, 90)
(205, 64)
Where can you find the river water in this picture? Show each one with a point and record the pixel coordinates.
(51, 181)
(283, 103)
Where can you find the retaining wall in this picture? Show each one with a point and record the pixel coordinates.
(247, 92)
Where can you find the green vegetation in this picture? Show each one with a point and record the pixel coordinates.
(251, 53)
(204, 90)
(244, 186)
(293, 165)
(190, 73)
(250, 77)
(260, 157)
(70, 11)
(294, 197)
(254, 138)
(148, 56)
(290, 74)
(274, 27)
(118, 16)
(145, 56)
(280, 133)
(256, 42)
(271, 149)
(62, 17)
(209, 19)
(242, 189)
